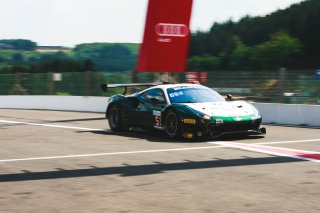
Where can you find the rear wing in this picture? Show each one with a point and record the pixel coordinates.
(105, 87)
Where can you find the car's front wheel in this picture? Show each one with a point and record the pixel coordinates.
(114, 118)
(172, 125)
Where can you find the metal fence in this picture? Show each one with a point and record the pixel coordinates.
(283, 86)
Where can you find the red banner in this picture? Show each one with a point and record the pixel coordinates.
(166, 36)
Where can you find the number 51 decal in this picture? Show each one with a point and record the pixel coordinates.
(157, 120)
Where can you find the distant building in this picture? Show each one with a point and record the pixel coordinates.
(52, 49)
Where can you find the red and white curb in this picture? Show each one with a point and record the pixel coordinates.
(277, 151)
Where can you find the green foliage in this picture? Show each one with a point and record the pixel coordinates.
(58, 66)
(17, 44)
(133, 47)
(84, 57)
(17, 58)
(246, 44)
(241, 55)
(62, 93)
(108, 57)
(280, 51)
(205, 62)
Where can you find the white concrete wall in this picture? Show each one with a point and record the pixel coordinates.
(70, 103)
(286, 114)
(289, 114)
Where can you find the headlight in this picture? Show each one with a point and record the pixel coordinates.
(207, 117)
(256, 116)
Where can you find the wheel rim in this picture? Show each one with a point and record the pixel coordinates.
(114, 118)
(171, 124)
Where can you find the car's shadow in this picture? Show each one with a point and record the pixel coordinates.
(156, 136)
(153, 168)
(137, 135)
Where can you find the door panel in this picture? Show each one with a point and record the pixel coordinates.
(148, 112)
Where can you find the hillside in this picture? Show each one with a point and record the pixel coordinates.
(285, 38)
(20, 56)
(108, 56)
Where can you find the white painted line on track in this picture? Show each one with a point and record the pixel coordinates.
(51, 125)
(112, 153)
(219, 144)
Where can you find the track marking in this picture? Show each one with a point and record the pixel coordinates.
(217, 145)
(51, 125)
(111, 153)
(275, 142)
(292, 153)
(277, 151)
(284, 142)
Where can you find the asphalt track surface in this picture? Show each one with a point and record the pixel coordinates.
(53, 161)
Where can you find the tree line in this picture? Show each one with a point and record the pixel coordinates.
(84, 57)
(17, 44)
(286, 38)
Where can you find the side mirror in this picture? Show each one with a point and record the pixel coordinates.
(229, 97)
(104, 87)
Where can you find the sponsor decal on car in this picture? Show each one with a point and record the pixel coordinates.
(219, 121)
(156, 113)
(189, 121)
(157, 119)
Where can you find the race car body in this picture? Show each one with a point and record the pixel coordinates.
(188, 110)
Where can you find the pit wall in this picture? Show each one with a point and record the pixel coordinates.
(282, 114)
(48, 102)
(290, 114)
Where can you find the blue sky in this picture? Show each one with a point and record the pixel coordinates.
(70, 22)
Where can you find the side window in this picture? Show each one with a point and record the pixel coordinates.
(154, 93)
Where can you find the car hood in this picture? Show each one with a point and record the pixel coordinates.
(224, 109)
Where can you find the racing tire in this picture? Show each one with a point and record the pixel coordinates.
(114, 119)
(172, 125)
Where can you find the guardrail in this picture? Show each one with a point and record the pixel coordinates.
(282, 114)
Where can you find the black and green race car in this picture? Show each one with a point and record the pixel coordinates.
(181, 110)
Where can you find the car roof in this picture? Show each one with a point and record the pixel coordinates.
(167, 86)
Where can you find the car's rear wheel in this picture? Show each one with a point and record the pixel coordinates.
(114, 118)
(172, 125)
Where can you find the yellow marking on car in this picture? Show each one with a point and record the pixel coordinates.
(188, 135)
(189, 121)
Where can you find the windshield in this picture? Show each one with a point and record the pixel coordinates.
(193, 95)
